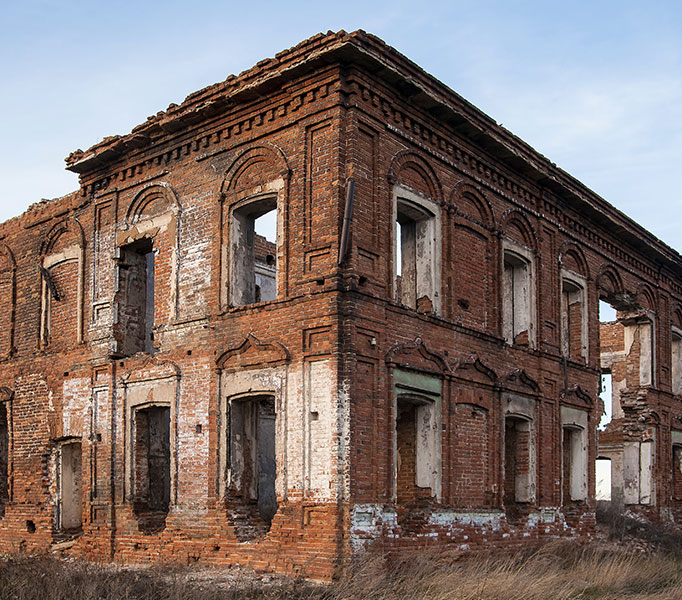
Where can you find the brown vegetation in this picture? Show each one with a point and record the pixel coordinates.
(556, 571)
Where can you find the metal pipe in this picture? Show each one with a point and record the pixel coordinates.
(347, 215)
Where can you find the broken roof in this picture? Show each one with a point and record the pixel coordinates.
(417, 87)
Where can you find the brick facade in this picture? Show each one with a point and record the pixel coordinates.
(412, 362)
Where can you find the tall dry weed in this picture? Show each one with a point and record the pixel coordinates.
(555, 571)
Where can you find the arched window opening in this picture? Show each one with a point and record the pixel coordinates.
(416, 252)
(573, 317)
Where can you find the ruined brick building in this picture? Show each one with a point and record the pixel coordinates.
(413, 358)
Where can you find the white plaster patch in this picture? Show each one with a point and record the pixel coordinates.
(442, 518)
(76, 400)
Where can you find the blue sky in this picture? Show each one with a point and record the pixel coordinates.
(597, 88)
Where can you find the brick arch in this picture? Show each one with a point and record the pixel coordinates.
(676, 316)
(471, 202)
(412, 171)
(609, 281)
(58, 238)
(62, 265)
(267, 160)
(517, 228)
(152, 201)
(155, 214)
(571, 257)
(152, 369)
(646, 297)
(415, 354)
(7, 260)
(253, 353)
(472, 248)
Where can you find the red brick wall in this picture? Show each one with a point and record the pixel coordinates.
(327, 126)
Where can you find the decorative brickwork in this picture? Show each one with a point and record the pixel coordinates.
(176, 386)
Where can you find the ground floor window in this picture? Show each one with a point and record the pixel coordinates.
(69, 482)
(152, 460)
(252, 461)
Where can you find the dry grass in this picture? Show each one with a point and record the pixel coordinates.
(557, 571)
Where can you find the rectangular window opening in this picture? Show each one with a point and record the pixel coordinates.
(573, 449)
(255, 252)
(574, 332)
(676, 360)
(4, 457)
(606, 395)
(253, 464)
(136, 300)
(415, 266)
(517, 461)
(517, 299)
(677, 472)
(416, 448)
(607, 314)
(603, 479)
(152, 460)
(69, 490)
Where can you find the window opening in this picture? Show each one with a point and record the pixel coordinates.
(517, 461)
(415, 260)
(253, 465)
(136, 305)
(645, 329)
(574, 332)
(603, 479)
(69, 490)
(414, 446)
(573, 448)
(607, 313)
(676, 360)
(677, 472)
(152, 466)
(4, 458)
(606, 395)
(254, 252)
(517, 301)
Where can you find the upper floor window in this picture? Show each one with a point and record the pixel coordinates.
(518, 295)
(416, 262)
(573, 316)
(676, 360)
(136, 297)
(642, 330)
(254, 250)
